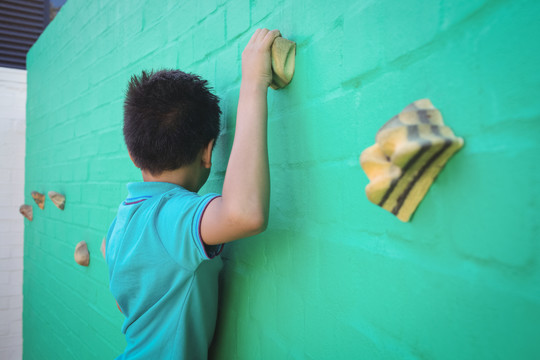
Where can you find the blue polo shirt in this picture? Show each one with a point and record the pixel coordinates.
(164, 278)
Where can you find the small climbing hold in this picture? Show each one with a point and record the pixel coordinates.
(82, 256)
(58, 199)
(39, 198)
(283, 59)
(27, 211)
(410, 151)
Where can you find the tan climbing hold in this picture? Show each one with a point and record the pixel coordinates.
(39, 198)
(27, 211)
(58, 199)
(82, 256)
(283, 59)
(410, 151)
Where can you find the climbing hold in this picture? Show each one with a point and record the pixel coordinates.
(82, 256)
(39, 198)
(27, 211)
(283, 58)
(410, 151)
(58, 199)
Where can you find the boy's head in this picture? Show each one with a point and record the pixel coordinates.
(169, 117)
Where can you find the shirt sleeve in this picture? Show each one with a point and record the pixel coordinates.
(179, 227)
(209, 251)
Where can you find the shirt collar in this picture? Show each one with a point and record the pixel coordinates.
(149, 188)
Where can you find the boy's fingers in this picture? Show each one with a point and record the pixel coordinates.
(259, 35)
(270, 36)
(264, 38)
(255, 36)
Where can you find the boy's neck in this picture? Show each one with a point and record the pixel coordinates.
(186, 177)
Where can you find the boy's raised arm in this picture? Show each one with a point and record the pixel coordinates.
(242, 210)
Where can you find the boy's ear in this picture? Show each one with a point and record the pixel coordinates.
(131, 157)
(206, 159)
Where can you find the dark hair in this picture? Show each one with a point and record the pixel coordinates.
(169, 116)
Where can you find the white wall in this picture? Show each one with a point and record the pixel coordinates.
(12, 154)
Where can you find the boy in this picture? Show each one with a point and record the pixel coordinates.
(162, 248)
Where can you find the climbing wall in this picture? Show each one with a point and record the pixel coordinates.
(334, 276)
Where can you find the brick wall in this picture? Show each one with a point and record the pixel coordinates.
(334, 276)
(12, 144)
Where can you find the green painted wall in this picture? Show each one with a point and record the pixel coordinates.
(334, 276)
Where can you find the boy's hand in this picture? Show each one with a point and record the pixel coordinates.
(256, 58)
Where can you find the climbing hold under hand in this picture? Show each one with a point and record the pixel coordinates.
(283, 58)
(410, 151)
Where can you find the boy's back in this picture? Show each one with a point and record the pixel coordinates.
(166, 288)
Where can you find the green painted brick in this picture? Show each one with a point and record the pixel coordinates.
(205, 8)
(453, 12)
(180, 19)
(363, 40)
(238, 18)
(211, 32)
(261, 9)
(185, 55)
(513, 245)
(228, 68)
